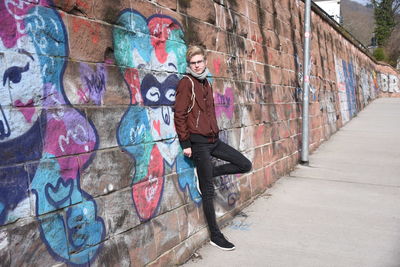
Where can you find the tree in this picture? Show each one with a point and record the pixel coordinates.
(387, 24)
(385, 12)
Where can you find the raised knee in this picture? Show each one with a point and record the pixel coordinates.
(247, 165)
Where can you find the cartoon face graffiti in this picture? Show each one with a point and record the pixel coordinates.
(151, 54)
(39, 131)
(20, 89)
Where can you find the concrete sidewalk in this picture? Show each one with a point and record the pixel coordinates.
(342, 210)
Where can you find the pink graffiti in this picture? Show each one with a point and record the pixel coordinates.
(147, 193)
(67, 133)
(224, 103)
(12, 14)
(160, 29)
(26, 109)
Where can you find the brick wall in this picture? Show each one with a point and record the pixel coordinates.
(91, 171)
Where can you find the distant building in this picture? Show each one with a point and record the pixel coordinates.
(332, 7)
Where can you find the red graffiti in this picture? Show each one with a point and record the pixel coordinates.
(217, 65)
(133, 80)
(160, 29)
(92, 28)
(147, 193)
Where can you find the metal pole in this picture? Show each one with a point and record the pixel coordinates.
(306, 82)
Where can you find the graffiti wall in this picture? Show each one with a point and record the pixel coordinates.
(91, 169)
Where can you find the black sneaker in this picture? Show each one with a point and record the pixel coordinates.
(220, 241)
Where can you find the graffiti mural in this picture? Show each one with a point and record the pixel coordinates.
(151, 54)
(38, 125)
(346, 89)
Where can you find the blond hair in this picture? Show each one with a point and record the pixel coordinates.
(194, 50)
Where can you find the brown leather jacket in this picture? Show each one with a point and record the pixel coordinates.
(201, 120)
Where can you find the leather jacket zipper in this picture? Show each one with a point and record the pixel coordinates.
(197, 121)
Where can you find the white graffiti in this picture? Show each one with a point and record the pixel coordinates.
(389, 83)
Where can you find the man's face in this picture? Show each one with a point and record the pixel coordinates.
(197, 64)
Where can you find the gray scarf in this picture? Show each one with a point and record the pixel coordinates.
(198, 76)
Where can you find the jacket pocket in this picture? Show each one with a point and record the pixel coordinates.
(197, 121)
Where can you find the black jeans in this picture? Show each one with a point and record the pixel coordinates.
(206, 171)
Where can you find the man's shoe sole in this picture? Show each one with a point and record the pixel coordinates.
(226, 249)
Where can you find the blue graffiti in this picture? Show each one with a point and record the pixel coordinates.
(350, 87)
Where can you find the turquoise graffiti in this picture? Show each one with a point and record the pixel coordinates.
(151, 55)
(45, 143)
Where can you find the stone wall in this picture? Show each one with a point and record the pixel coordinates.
(91, 171)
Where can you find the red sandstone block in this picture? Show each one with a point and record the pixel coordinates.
(257, 160)
(259, 135)
(253, 11)
(117, 90)
(271, 40)
(256, 182)
(77, 7)
(221, 41)
(283, 13)
(274, 57)
(173, 196)
(253, 72)
(201, 9)
(256, 32)
(102, 177)
(316, 135)
(245, 189)
(184, 250)
(172, 4)
(166, 231)
(295, 127)
(267, 21)
(243, 26)
(267, 111)
(276, 75)
(109, 10)
(239, 6)
(88, 39)
(268, 5)
(201, 33)
(268, 178)
(267, 154)
(140, 244)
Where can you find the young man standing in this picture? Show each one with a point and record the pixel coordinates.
(196, 125)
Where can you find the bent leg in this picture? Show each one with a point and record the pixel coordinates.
(238, 163)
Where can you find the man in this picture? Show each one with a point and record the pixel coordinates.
(196, 125)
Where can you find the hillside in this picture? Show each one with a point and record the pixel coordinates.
(358, 20)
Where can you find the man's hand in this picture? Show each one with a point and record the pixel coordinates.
(187, 152)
